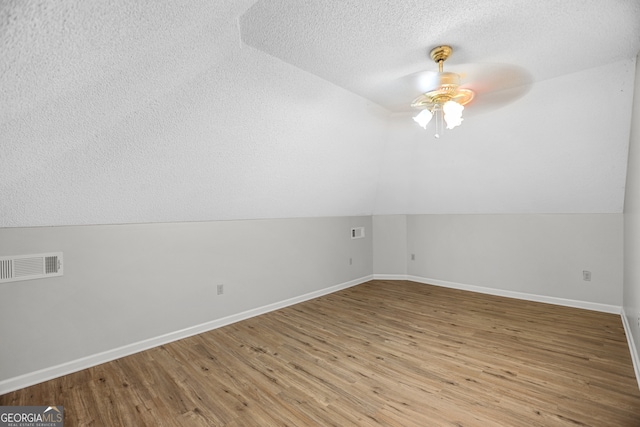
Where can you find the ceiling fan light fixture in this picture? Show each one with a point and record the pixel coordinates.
(423, 118)
(447, 99)
(452, 114)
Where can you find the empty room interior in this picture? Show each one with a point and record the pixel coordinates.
(275, 212)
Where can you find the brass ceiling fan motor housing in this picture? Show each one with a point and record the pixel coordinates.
(448, 84)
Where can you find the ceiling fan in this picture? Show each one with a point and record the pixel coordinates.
(447, 100)
(444, 97)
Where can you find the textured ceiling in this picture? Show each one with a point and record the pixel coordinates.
(119, 112)
(369, 47)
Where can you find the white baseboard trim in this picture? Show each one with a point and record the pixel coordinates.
(31, 378)
(632, 345)
(390, 277)
(606, 308)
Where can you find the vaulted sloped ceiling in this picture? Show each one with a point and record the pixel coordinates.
(152, 111)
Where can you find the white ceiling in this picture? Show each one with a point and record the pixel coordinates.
(367, 47)
(152, 111)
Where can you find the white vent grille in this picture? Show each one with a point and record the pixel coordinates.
(357, 233)
(6, 269)
(26, 267)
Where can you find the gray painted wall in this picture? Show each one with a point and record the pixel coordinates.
(631, 303)
(124, 284)
(390, 244)
(535, 254)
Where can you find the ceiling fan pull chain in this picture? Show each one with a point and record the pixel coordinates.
(439, 120)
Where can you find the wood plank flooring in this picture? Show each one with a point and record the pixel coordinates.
(384, 353)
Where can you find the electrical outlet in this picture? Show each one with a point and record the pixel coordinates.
(350, 261)
(638, 320)
(586, 276)
(220, 289)
(413, 257)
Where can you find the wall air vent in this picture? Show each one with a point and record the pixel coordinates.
(27, 267)
(357, 233)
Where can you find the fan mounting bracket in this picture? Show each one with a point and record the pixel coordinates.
(440, 53)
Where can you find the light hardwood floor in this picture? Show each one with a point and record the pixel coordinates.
(384, 353)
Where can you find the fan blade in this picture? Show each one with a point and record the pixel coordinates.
(422, 81)
(495, 86)
(396, 94)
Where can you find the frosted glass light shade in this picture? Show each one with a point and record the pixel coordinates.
(423, 118)
(452, 114)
